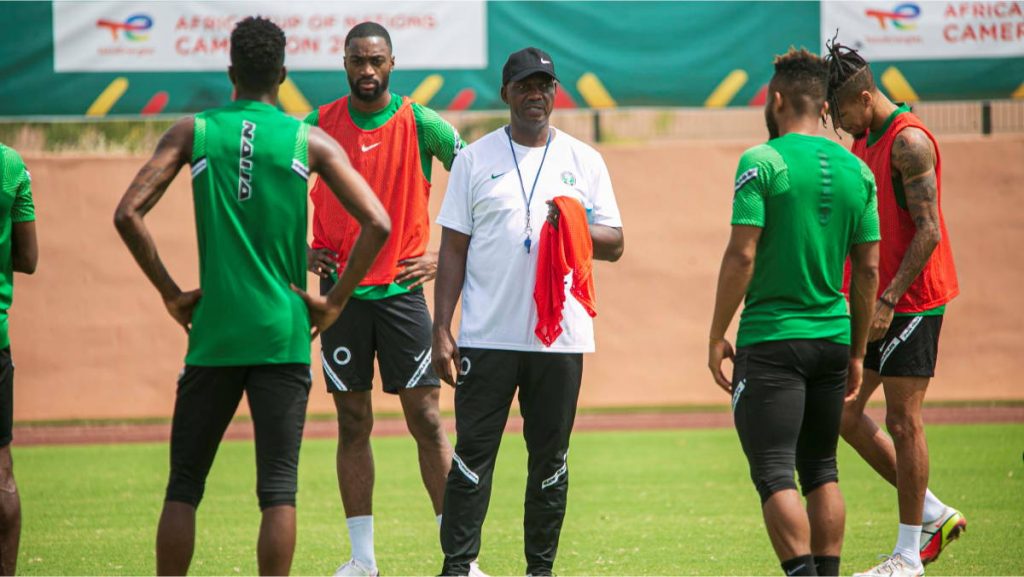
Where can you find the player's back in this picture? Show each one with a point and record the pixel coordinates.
(815, 197)
(249, 172)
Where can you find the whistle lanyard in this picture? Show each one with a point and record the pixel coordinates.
(527, 200)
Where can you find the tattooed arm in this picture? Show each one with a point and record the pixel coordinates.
(913, 159)
(149, 185)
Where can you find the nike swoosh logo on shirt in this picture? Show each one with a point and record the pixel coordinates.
(499, 175)
(369, 148)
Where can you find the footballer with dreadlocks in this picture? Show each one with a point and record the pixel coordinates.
(917, 281)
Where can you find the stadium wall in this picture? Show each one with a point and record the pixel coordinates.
(91, 339)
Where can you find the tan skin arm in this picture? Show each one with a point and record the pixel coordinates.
(327, 159)
(145, 191)
(24, 247)
(608, 242)
(863, 288)
(451, 273)
(913, 160)
(733, 279)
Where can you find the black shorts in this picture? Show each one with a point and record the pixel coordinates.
(787, 405)
(908, 349)
(396, 330)
(206, 402)
(6, 397)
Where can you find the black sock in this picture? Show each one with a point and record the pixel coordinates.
(827, 565)
(799, 566)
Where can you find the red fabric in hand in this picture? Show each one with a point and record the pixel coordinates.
(565, 248)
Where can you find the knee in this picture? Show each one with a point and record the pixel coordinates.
(354, 426)
(187, 483)
(425, 425)
(815, 473)
(771, 480)
(903, 425)
(180, 491)
(553, 478)
(270, 499)
(466, 477)
(7, 484)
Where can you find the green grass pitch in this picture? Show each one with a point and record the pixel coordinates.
(641, 503)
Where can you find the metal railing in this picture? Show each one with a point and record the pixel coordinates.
(625, 125)
(135, 135)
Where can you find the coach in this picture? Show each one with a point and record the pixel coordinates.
(501, 192)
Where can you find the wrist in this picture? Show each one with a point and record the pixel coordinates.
(887, 301)
(335, 298)
(170, 293)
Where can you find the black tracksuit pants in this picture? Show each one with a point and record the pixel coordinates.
(549, 385)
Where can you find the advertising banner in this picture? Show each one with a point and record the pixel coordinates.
(195, 36)
(134, 57)
(926, 30)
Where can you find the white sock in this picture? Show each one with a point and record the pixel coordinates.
(439, 520)
(933, 508)
(908, 544)
(360, 533)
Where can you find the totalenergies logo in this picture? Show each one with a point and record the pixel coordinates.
(134, 27)
(901, 17)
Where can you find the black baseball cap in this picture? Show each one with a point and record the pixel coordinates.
(526, 62)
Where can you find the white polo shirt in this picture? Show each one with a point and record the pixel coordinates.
(485, 201)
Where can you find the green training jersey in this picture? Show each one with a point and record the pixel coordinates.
(15, 206)
(815, 200)
(436, 139)
(249, 173)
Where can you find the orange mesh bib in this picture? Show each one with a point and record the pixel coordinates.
(388, 157)
(937, 283)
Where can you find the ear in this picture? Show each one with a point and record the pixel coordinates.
(284, 75)
(504, 95)
(867, 99)
(231, 75)
(777, 102)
